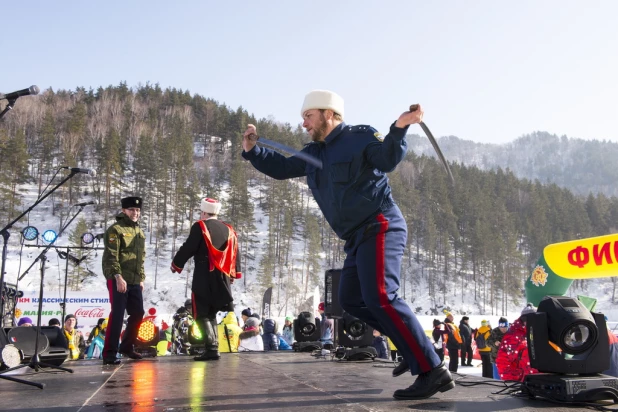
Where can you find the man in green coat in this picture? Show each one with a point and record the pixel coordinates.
(123, 267)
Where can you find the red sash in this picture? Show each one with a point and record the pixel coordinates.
(224, 260)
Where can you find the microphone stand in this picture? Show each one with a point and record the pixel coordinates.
(9, 106)
(5, 236)
(35, 363)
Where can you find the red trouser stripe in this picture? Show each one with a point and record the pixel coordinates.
(385, 304)
(193, 306)
(110, 289)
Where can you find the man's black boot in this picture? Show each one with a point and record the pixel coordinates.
(211, 343)
(400, 369)
(427, 384)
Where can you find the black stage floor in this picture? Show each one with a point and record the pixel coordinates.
(275, 381)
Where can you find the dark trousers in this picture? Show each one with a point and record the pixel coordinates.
(453, 354)
(133, 303)
(369, 285)
(466, 350)
(206, 317)
(440, 353)
(487, 367)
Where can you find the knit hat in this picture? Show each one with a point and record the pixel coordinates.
(129, 202)
(291, 319)
(252, 323)
(246, 312)
(69, 316)
(24, 320)
(321, 306)
(436, 322)
(528, 309)
(503, 323)
(465, 318)
(447, 314)
(322, 99)
(210, 206)
(483, 322)
(54, 322)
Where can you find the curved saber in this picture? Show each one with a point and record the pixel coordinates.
(434, 143)
(301, 155)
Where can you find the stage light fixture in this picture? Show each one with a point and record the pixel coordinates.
(195, 334)
(306, 333)
(147, 338)
(30, 233)
(355, 339)
(10, 357)
(572, 373)
(87, 238)
(50, 236)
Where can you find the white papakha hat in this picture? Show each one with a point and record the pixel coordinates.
(211, 206)
(323, 99)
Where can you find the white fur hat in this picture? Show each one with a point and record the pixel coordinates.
(210, 206)
(322, 99)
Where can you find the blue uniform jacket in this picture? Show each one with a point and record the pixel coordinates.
(352, 186)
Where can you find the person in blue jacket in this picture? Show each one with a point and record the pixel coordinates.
(379, 343)
(353, 192)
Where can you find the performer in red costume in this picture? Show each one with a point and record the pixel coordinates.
(214, 246)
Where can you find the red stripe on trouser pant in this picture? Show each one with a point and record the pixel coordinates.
(193, 305)
(384, 302)
(110, 289)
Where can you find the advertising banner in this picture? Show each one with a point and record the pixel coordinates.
(87, 307)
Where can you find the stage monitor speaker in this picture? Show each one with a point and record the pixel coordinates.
(55, 336)
(53, 347)
(24, 339)
(332, 308)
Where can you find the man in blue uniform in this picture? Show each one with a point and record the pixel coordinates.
(352, 191)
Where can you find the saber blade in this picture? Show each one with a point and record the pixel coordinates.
(434, 143)
(301, 155)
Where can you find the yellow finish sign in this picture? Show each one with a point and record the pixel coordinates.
(595, 257)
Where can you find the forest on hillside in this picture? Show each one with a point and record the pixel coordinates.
(480, 237)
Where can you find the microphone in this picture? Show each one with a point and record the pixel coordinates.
(25, 92)
(90, 172)
(92, 202)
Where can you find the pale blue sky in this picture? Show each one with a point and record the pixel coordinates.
(487, 71)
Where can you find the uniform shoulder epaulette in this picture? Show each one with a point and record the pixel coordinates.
(362, 128)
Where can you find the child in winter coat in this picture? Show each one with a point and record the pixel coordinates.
(288, 331)
(250, 339)
(270, 338)
(379, 343)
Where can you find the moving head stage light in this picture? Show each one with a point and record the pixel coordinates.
(355, 339)
(306, 333)
(570, 346)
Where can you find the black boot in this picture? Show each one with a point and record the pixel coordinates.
(400, 369)
(211, 341)
(427, 384)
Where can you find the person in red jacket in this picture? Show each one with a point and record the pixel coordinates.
(513, 362)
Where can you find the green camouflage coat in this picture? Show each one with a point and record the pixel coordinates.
(125, 251)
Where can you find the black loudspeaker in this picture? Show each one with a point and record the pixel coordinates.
(58, 350)
(24, 339)
(332, 308)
